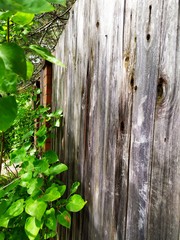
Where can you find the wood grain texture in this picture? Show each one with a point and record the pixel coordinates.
(121, 129)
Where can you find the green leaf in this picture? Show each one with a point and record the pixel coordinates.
(42, 131)
(53, 193)
(32, 227)
(2, 236)
(51, 156)
(3, 207)
(35, 186)
(64, 219)
(8, 82)
(2, 193)
(44, 53)
(50, 221)
(6, 15)
(30, 69)
(18, 155)
(40, 166)
(61, 2)
(8, 110)
(26, 176)
(15, 209)
(30, 6)
(11, 186)
(50, 235)
(35, 208)
(74, 187)
(57, 169)
(4, 221)
(9, 53)
(75, 203)
(22, 18)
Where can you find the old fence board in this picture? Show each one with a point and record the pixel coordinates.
(120, 94)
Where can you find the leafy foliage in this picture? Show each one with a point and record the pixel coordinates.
(31, 202)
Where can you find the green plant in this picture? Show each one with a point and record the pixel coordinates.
(32, 203)
(32, 199)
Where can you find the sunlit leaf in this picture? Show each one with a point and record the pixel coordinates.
(35, 185)
(50, 221)
(74, 187)
(22, 18)
(30, 69)
(75, 203)
(15, 209)
(35, 208)
(64, 219)
(8, 110)
(27, 6)
(32, 227)
(53, 193)
(4, 221)
(45, 54)
(57, 169)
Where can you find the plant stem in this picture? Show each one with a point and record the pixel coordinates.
(8, 30)
(2, 149)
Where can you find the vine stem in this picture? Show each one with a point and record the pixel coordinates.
(2, 149)
(8, 30)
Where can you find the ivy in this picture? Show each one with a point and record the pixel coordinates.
(32, 199)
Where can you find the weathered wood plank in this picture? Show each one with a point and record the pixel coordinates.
(120, 97)
(165, 177)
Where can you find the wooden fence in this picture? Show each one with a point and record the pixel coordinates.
(120, 94)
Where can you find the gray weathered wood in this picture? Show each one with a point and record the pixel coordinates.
(121, 131)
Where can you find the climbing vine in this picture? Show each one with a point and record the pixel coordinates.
(32, 199)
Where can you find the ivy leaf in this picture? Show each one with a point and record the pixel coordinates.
(57, 169)
(6, 15)
(41, 166)
(30, 6)
(15, 209)
(22, 18)
(50, 221)
(35, 186)
(45, 54)
(51, 156)
(74, 187)
(2, 236)
(8, 110)
(30, 69)
(9, 53)
(64, 219)
(35, 208)
(61, 2)
(75, 203)
(4, 221)
(32, 227)
(18, 155)
(53, 193)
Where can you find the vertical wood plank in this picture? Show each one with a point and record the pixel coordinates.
(165, 188)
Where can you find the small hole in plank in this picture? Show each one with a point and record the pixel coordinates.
(122, 126)
(97, 24)
(164, 139)
(132, 81)
(148, 37)
(135, 88)
(126, 59)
